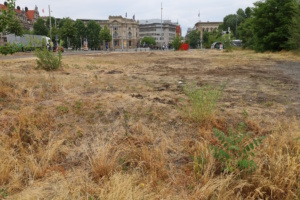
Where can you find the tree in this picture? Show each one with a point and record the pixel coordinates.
(80, 33)
(7, 15)
(93, 31)
(52, 22)
(105, 35)
(272, 19)
(194, 38)
(176, 43)
(15, 26)
(7, 21)
(39, 27)
(245, 31)
(67, 32)
(294, 39)
(148, 41)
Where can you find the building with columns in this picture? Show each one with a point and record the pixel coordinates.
(124, 31)
(208, 26)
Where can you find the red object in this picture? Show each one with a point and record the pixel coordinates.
(178, 30)
(61, 49)
(184, 47)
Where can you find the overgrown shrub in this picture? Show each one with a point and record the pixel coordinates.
(227, 43)
(236, 149)
(9, 49)
(48, 60)
(202, 101)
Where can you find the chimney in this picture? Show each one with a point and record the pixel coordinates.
(18, 8)
(26, 9)
(5, 3)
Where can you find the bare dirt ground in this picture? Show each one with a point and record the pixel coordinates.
(113, 120)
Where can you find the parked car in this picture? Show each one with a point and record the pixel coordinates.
(55, 49)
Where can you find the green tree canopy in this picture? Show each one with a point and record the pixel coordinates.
(52, 22)
(294, 39)
(93, 31)
(67, 32)
(148, 41)
(272, 19)
(176, 43)
(39, 27)
(15, 26)
(105, 35)
(7, 15)
(80, 32)
(194, 38)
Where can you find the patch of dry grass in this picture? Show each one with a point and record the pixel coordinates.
(110, 126)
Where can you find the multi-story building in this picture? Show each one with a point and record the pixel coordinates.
(208, 26)
(163, 32)
(124, 31)
(25, 16)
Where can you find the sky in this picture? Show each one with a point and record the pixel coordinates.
(184, 11)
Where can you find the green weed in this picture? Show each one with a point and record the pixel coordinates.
(202, 101)
(236, 150)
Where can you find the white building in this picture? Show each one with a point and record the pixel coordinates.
(163, 33)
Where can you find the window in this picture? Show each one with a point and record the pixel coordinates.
(116, 43)
(115, 28)
(130, 43)
(116, 34)
(129, 28)
(129, 35)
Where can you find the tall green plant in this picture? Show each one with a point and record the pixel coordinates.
(176, 43)
(202, 101)
(236, 149)
(47, 60)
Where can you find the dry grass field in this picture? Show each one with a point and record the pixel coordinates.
(112, 126)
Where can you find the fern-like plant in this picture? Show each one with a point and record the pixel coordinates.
(236, 149)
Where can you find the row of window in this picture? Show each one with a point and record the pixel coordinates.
(116, 28)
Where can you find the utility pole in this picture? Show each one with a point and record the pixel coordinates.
(161, 27)
(50, 21)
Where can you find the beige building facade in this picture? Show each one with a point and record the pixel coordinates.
(208, 26)
(124, 31)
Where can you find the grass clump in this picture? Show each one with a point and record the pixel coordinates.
(202, 101)
(48, 60)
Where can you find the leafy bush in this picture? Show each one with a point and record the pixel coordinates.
(227, 43)
(9, 49)
(48, 60)
(202, 101)
(236, 149)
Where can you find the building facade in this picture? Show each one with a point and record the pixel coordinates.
(208, 26)
(124, 31)
(25, 16)
(163, 33)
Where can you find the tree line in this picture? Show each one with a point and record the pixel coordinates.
(73, 33)
(271, 25)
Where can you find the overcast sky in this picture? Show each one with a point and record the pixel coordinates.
(185, 11)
